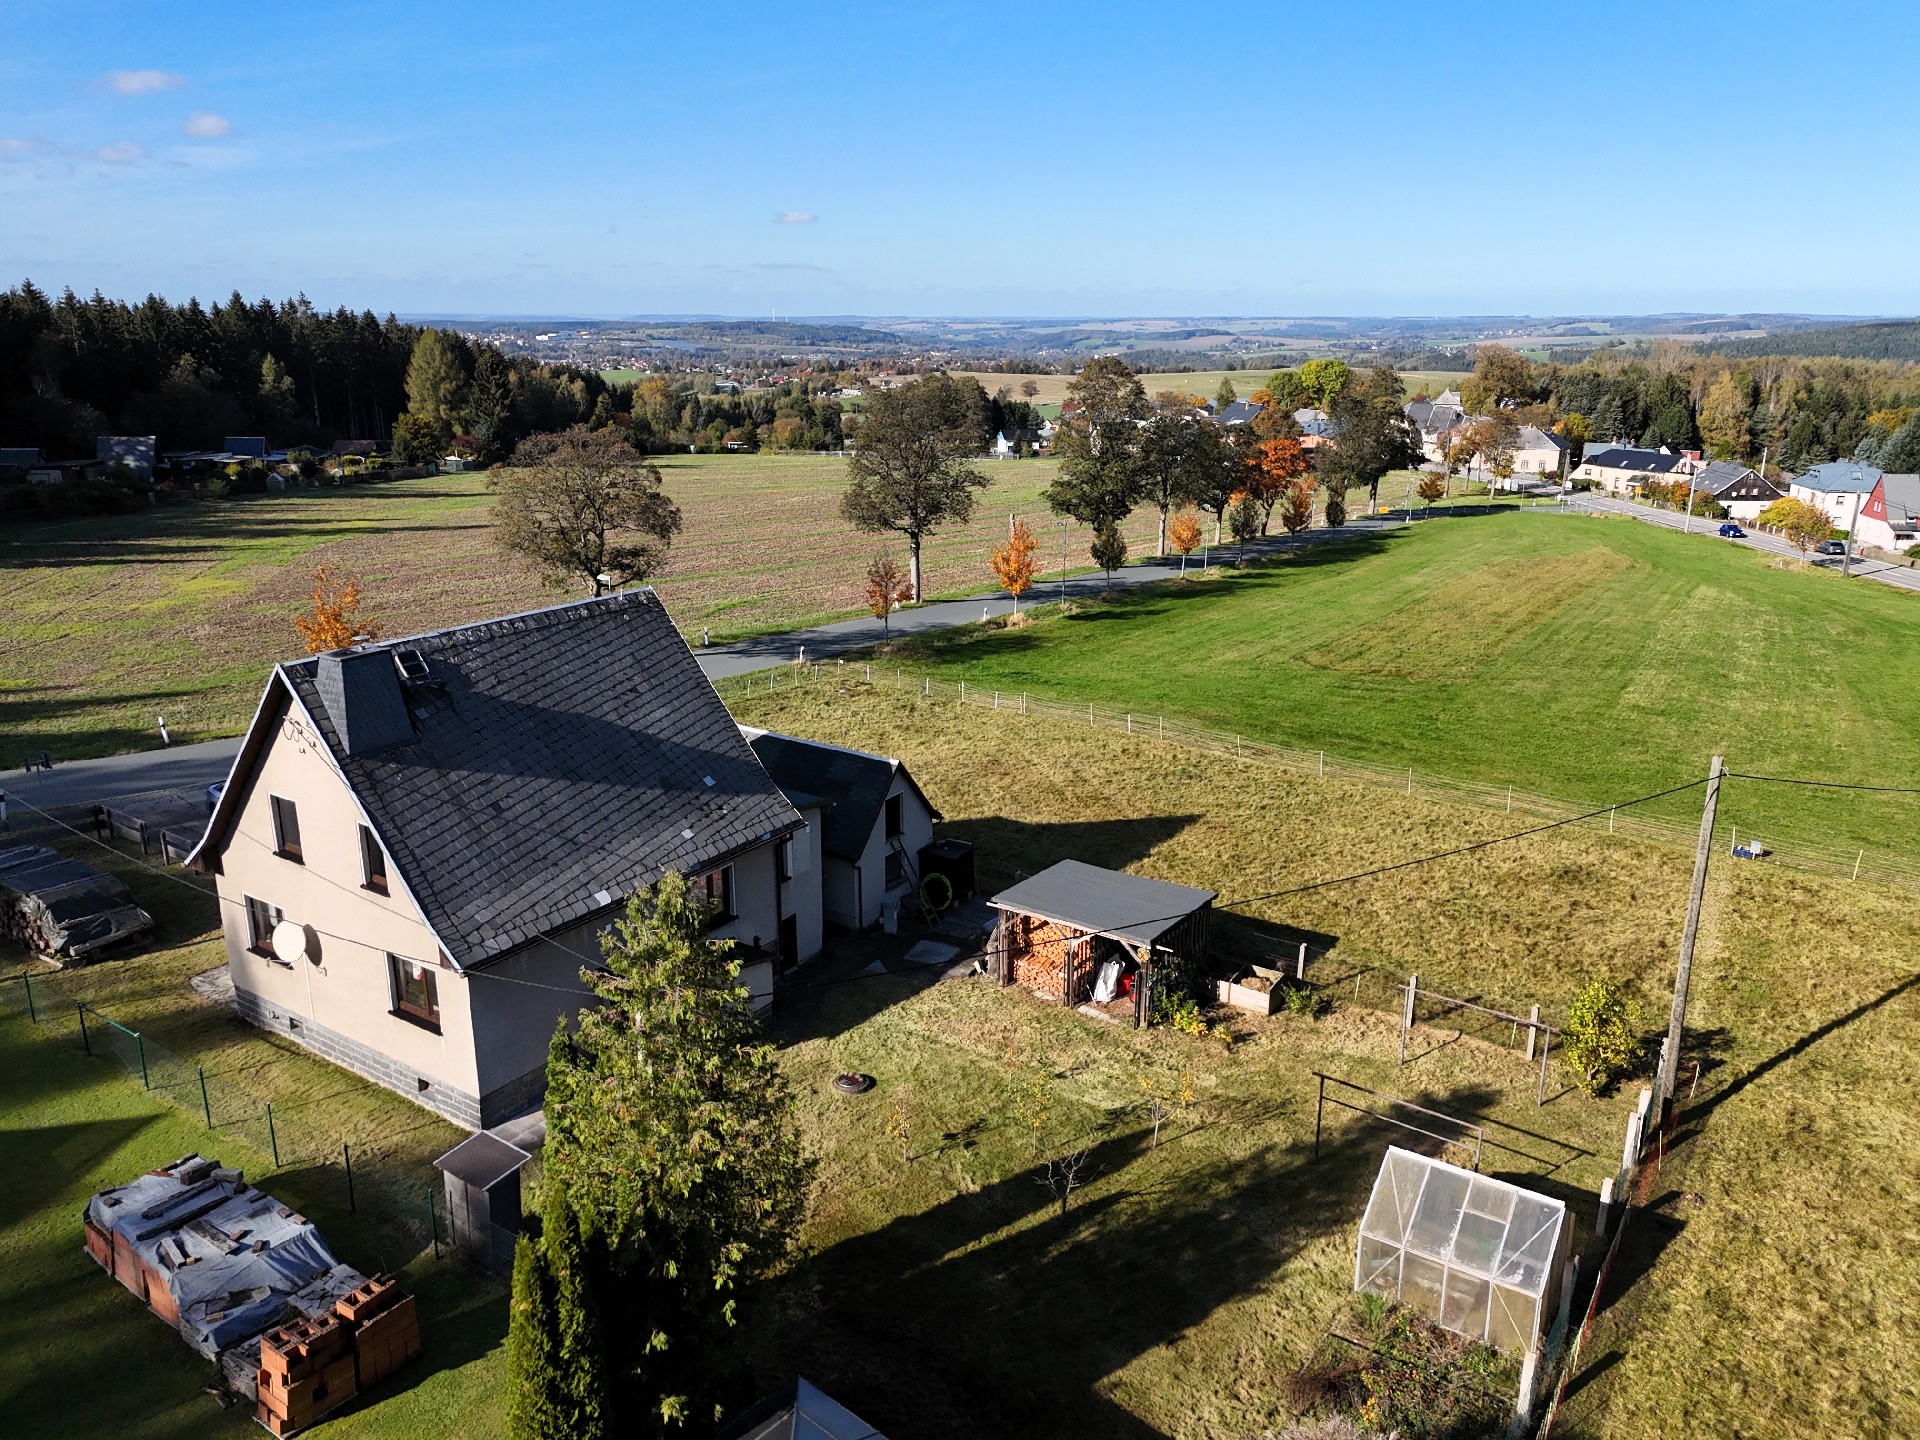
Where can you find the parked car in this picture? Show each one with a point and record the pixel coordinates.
(1831, 547)
(1732, 531)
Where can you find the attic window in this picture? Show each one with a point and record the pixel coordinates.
(413, 665)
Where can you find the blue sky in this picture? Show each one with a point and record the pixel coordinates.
(1116, 159)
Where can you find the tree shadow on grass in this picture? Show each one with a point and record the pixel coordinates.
(990, 1313)
(40, 1161)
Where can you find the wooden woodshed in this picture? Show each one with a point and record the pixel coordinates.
(1059, 930)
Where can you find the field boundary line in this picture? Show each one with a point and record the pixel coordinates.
(1832, 861)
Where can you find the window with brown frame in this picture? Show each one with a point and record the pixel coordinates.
(261, 918)
(415, 996)
(373, 863)
(286, 828)
(717, 887)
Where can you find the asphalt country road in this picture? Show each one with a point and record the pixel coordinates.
(192, 767)
(1896, 575)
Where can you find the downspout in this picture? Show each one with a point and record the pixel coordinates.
(779, 906)
(859, 897)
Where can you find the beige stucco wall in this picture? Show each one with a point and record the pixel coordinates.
(916, 824)
(345, 988)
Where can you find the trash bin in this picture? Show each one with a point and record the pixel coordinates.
(890, 919)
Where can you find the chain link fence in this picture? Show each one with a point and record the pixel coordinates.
(1891, 870)
(400, 1192)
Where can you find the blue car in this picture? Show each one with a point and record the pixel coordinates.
(1731, 531)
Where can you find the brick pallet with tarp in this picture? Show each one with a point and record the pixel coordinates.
(251, 1285)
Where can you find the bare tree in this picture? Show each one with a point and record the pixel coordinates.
(1060, 1175)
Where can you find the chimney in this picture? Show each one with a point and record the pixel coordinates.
(361, 692)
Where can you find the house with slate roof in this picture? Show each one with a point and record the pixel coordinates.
(1839, 487)
(876, 823)
(1623, 469)
(1890, 520)
(1739, 490)
(421, 840)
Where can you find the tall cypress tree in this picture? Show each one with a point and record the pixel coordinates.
(556, 1369)
(536, 1399)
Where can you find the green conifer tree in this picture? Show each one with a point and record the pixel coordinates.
(536, 1403)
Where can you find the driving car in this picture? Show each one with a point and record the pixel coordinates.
(1831, 547)
(1732, 531)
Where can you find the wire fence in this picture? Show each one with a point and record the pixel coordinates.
(399, 1191)
(1854, 864)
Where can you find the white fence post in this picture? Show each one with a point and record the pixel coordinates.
(1533, 1031)
(1300, 970)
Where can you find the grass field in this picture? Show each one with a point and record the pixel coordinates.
(1769, 1292)
(1591, 660)
(1775, 1280)
(107, 623)
(72, 1124)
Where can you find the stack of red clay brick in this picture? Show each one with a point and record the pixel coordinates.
(311, 1367)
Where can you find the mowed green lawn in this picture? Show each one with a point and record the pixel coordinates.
(1590, 660)
(108, 623)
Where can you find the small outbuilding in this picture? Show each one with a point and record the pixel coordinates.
(1472, 1254)
(799, 1411)
(875, 827)
(1079, 934)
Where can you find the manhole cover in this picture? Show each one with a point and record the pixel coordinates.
(853, 1083)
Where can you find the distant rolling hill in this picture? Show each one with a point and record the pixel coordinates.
(1888, 340)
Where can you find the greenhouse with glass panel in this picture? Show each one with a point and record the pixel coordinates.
(1470, 1253)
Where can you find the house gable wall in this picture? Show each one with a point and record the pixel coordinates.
(916, 823)
(340, 1001)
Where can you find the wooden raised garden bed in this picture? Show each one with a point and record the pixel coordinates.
(1253, 988)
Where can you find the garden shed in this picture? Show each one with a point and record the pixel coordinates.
(1472, 1254)
(1079, 934)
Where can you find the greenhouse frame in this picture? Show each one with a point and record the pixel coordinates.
(1473, 1254)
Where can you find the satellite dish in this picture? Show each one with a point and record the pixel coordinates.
(290, 941)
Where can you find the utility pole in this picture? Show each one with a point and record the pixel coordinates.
(1670, 1061)
(1859, 503)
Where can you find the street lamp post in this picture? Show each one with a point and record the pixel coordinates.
(1063, 562)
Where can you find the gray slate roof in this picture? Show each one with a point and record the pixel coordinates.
(1840, 477)
(1627, 457)
(853, 783)
(1719, 476)
(1902, 494)
(1239, 412)
(1104, 902)
(559, 761)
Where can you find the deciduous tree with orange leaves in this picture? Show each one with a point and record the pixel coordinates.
(335, 620)
(1184, 535)
(886, 588)
(1016, 562)
(1272, 467)
(1296, 509)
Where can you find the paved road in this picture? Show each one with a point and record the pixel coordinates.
(1895, 575)
(81, 782)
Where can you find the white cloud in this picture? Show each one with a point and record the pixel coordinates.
(14, 146)
(123, 152)
(205, 125)
(795, 217)
(142, 82)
